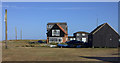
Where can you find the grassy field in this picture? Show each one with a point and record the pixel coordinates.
(14, 53)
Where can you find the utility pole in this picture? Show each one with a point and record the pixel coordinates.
(97, 22)
(6, 29)
(21, 34)
(16, 33)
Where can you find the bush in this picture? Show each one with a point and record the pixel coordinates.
(32, 45)
(22, 46)
(64, 43)
(44, 45)
(27, 45)
(53, 43)
(16, 46)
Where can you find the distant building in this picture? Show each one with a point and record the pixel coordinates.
(81, 36)
(104, 36)
(71, 38)
(57, 32)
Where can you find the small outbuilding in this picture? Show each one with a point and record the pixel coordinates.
(104, 36)
(81, 36)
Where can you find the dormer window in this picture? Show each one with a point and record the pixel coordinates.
(56, 32)
(49, 26)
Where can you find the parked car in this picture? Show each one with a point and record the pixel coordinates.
(75, 44)
(31, 42)
(62, 45)
(40, 41)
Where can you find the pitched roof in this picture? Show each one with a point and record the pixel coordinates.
(62, 29)
(99, 27)
(96, 29)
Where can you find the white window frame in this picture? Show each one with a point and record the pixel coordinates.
(84, 39)
(73, 38)
(83, 34)
(57, 31)
(78, 34)
(50, 38)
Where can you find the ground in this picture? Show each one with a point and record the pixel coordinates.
(57, 54)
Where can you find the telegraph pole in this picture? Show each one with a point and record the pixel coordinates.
(21, 34)
(6, 29)
(97, 22)
(16, 33)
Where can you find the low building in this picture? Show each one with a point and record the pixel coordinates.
(104, 36)
(57, 32)
(81, 36)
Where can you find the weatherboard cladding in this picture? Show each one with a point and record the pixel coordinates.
(104, 36)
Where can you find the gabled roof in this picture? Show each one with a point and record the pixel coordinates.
(96, 29)
(99, 27)
(62, 29)
(59, 27)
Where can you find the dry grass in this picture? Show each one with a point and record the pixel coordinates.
(55, 54)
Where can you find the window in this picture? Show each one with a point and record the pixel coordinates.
(83, 34)
(49, 26)
(55, 39)
(55, 32)
(78, 34)
(73, 38)
(84, 39)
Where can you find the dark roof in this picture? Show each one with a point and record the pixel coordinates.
(97, 28)
(60, 28)
(82, 32)
(58, 23)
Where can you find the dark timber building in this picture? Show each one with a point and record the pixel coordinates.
(57, 32)
(104, 36)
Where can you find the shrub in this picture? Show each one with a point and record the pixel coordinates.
(53, 43)
(44, 45)
(64, 43)
(22, 46)
(32, 45)
(27, 45)
(16, 46)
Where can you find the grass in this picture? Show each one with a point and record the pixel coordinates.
(54, 54)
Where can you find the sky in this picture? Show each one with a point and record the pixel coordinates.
(32, 17)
